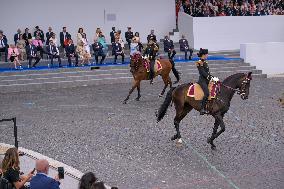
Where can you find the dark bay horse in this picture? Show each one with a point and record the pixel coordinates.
(239, 83)
(140, 73)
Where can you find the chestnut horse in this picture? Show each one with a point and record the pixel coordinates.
(140, 73)
(239, 83)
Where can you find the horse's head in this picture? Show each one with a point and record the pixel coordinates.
(243, 86)
(135, 62)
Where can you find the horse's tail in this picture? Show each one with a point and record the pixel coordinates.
(163, 109)
(175, 72)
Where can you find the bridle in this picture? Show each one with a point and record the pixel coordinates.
(242, 89)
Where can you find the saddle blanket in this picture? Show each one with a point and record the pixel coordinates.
(157, 66)
(197, 93)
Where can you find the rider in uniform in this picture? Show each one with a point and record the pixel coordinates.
(151, 51)
(204, 77)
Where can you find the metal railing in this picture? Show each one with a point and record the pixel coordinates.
(15, 129)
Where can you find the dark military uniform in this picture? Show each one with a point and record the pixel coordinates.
(204, 78)
(151, 36)
(151, 51)
(184, 47)
(118, 51)
(169, 48)
(98, 51)
(128, 36)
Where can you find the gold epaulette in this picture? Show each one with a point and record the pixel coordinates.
(199, 63)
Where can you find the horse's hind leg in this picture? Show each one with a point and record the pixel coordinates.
(138, 90)
(181, 111)
(167, 81)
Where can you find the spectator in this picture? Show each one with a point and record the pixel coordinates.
(137, 39)
(112, 39)
(184, 47)
(3, 45)
(13, 54)
(31, 52)
(80, 35)
(134, 46)
(152, 36)
(102, 40)
(38, 44)
(98, 31)
(11, 169)
(128, 36)
(71, 52)
(120, 40)
(48, 35)
(39, 32)
(87, 180)
(169, 47)
(112, 35)
(83, 54)
(98, 51)
(17, 36)
(27, 36)
(41, 179)
(54, 39)
(86, 43)
(63, 36)
(21, 45)
(118, 50)
(98, 185)
(53, 52)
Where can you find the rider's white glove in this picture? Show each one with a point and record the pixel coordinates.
(145, 57)
(215, 79)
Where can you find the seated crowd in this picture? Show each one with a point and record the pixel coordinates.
(210, 8)
(33, 46)
(11, 176)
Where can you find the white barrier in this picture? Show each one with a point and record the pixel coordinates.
(228, 32)
(265, 56)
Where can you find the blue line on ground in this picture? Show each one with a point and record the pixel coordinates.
(110, 64)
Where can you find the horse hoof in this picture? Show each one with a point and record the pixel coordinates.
(137, 99)
(213, 147)
(160, 95)
(174, 137)
(176, 82)
(124, 102)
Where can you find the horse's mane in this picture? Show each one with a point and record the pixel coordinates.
(233, 78)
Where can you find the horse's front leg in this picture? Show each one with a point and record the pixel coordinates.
(138, 90)
(166, 82)
(135, 83)
(215, 134)
(210, 139)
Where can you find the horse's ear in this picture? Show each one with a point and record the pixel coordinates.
(249, 75)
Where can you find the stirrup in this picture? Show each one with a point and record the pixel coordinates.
(203, 111)
(151, 82)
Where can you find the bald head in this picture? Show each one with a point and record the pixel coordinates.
(42, 166)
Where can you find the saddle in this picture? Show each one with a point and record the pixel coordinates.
(197, 93)
(157, 66)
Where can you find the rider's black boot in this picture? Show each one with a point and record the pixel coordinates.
(203, 105)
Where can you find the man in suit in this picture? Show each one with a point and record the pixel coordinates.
(118, 51)
(63, 36)
(98, 51)
(53, 52)
(39, 32)
(17, 36)
(31, 51)
(152, 36)
(184, 47)
(27, 36)
(48, 35)
(41, 180)
(112, 39)
(4, 45)
(169, 47)
(71, 52)
(128, 36)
